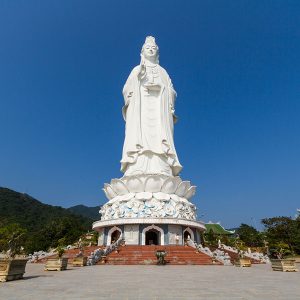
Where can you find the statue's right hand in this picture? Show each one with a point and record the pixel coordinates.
(142, 70)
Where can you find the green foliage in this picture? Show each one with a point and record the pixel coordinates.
(60, 251)
(283, 230)
(12, 239)
(228, 240)
(250, 236)
(47, 226)
(90, 238)
(95, 238)
(211, 239)
(280, 250)
(240, 246)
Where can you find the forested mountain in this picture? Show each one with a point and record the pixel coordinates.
(85, 211)
(46, 225)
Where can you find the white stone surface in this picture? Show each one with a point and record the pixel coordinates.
(173, 231)
(131, 234)
(146, 196)
(158, 185)
(101, 237)
(115, 222)
(149, 115)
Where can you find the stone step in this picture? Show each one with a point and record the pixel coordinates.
(144, 255)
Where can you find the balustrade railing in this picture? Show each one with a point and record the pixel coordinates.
(98, 254)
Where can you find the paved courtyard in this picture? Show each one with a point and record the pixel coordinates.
(154, 282)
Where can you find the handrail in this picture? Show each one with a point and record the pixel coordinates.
(99, 253)
(216, 255)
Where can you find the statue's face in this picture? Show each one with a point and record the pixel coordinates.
(150, 50)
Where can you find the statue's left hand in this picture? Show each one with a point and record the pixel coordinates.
(153, 87)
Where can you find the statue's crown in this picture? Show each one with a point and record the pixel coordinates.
(150, 40)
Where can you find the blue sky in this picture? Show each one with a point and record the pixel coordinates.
(234, 64)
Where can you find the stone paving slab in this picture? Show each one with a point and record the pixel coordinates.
(154, 283)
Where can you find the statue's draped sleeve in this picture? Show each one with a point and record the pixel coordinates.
(129, 90)
(173, 96)
(131, 114)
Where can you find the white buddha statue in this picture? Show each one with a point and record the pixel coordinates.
(149, 115)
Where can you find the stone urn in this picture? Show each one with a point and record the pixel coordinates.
(12, 268)
(284, 265)
(160, 255)
(56, 264)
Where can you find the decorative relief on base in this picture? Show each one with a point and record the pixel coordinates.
(149, 196)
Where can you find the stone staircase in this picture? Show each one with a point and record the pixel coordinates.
(145, 255)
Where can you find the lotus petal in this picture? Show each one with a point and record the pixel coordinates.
(190, 192)
(119, 187)
(109, 192)
(161, 196)
(170, 185)
(175, 197)
(115, 199)
(182, 188)
(106, 194)
(126, 197)
(143, 196)
(135, 185)
(153, 184)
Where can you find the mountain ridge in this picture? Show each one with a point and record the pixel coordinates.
(46, 225)
(91, 212)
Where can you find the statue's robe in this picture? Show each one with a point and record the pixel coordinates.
(141, 155)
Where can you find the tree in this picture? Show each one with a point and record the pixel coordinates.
(12, 237)
(211, 239)
(250, 236)
(283, 230)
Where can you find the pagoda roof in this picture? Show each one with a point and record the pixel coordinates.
(217, 228)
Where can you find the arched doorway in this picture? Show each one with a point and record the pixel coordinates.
(115, 236)
(188, 234)
(152, 237)
(153, 233)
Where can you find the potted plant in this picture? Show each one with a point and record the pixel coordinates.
(160, 255)
(12, 262)
(241, 260)
(58, 263)
(281, 260)
(80, 260)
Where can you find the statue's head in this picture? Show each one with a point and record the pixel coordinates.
(150, 49)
